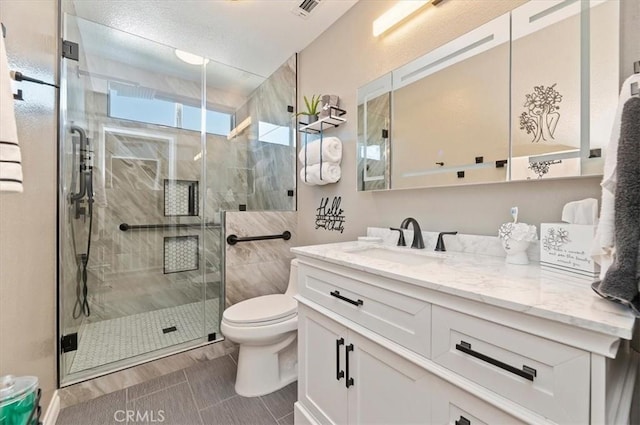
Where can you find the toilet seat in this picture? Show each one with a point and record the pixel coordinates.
(261, 311)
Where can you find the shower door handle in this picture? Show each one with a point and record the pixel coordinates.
(339, 373)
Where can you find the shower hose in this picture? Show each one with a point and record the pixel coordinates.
(85, 171)
(82, 291)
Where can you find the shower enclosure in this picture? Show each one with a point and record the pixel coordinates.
(152, 149)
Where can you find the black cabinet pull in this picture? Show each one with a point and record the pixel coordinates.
(349, 382)
(526, 372)
(339, 373)
(463, 421)
(343, 298)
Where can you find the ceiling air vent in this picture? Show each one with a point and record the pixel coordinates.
(305, 7)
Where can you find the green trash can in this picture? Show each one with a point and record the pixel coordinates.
(17, 399)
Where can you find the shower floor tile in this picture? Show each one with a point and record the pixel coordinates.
(111, 340)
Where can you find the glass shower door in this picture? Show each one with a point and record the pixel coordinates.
(134, 227)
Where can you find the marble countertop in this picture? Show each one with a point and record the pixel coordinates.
(488, 279)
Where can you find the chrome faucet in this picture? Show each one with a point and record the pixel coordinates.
(418, 242)
(440, 243)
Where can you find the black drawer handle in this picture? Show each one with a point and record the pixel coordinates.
(526, 372)
(339, 373)
(349, 382)
(463, 421)
(350, 301)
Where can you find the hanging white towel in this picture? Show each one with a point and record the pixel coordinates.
(10, 158)
(331, 151)
(330, 174)
(604, 244)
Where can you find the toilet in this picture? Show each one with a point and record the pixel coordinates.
(266, 328)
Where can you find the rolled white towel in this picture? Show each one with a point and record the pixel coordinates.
(330, 174)
(331, 151)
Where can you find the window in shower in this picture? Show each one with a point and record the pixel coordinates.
(146, 105)
(217, 122)
(273, 133)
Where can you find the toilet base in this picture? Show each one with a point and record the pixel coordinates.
(265, 369)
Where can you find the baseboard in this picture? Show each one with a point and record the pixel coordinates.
(301, 416)
(51, 414)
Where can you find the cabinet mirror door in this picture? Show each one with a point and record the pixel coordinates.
(531, 94)
(451, 112)
(374, 120)
(565, 71)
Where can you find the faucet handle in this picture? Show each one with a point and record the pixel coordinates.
(401, 241)
(440, 243)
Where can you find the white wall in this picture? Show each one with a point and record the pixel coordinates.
(28, 220)
(347, 56)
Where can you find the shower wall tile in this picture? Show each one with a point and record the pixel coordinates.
(132, 160)
(273, 165)
(135, 158)
(260, 267)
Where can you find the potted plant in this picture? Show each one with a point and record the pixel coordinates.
(313, 108)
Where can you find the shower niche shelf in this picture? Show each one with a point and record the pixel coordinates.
(180, 198)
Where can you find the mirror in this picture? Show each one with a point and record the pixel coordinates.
(531, 94)
(374, 119)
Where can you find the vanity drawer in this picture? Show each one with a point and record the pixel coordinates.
(452, 405)
(544, 376)
(397, 317)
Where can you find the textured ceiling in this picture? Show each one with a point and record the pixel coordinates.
(253, 35)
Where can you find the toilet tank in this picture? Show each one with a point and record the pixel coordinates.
(292, 288)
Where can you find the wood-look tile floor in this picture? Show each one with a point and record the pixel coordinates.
(200, 395)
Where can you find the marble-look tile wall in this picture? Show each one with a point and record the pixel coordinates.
(272, 165)
(131, 161)
(261, 267)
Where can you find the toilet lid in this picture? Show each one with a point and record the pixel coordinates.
(261, 309)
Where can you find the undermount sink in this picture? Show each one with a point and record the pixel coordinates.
(404, 256)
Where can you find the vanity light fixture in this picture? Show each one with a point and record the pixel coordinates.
(190, 58)
(399, 12)
(239, 128)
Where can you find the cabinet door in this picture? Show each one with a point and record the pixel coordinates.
(386, 389)
(320, 391)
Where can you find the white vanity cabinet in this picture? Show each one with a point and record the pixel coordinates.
(347, 378)
(374, 349)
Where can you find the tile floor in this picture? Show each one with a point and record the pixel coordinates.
(108, 341)
(200, 395)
